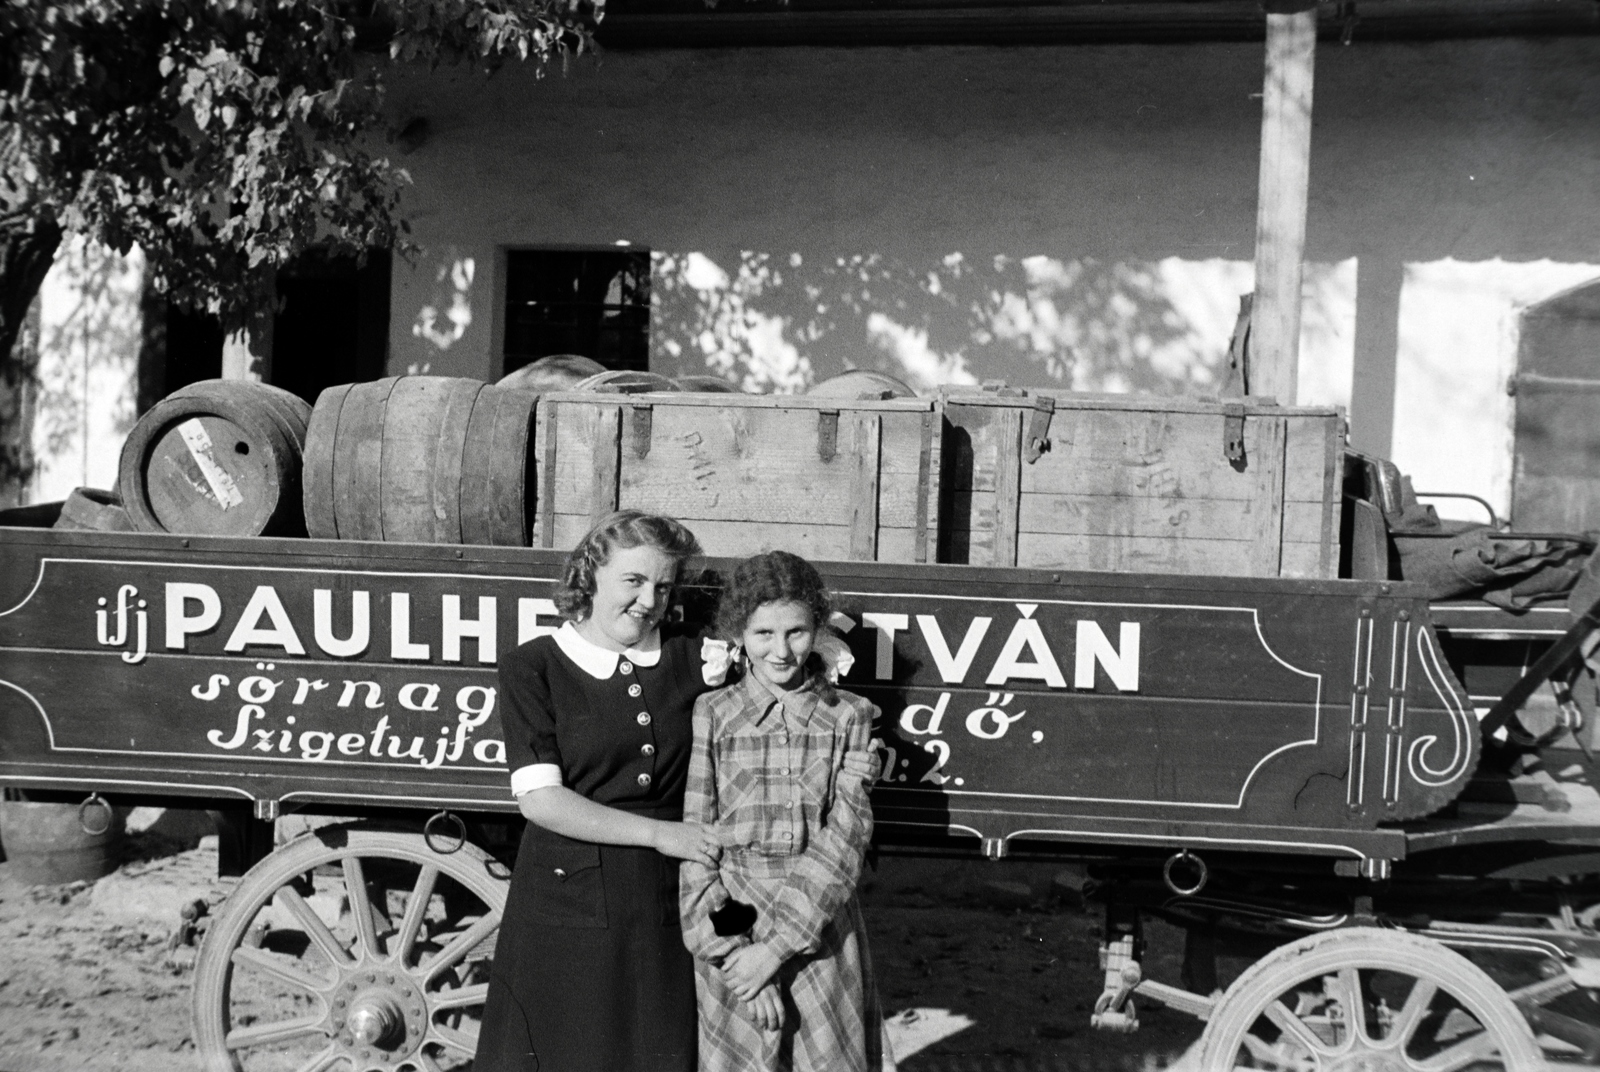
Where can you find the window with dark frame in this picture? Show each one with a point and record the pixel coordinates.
(595, 303)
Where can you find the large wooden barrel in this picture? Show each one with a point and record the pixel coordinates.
(862, 384)
(217, 458)
(706, 385)
(554, 372)
(421, 459)
(625, 381)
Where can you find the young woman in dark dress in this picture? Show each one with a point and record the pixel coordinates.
(590, 970)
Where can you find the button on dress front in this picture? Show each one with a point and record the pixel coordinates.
(590, 971)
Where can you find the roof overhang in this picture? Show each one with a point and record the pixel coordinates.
(635, 24)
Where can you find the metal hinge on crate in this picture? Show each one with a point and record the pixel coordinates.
(827, 434)
(1233, 433)
(1037, 440)
(640, 430)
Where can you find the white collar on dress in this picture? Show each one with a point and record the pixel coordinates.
(600, 663)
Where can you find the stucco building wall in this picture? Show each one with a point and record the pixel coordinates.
(1078, 216)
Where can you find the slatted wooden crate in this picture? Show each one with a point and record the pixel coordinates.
(824, 478)
(1134, 483)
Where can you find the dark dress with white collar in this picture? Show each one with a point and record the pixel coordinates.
(590, 970)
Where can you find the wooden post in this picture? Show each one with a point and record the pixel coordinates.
(1281, 207)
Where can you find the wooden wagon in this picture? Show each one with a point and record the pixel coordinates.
(1280, 756)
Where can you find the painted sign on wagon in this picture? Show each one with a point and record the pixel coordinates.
(1030, 699)
(268, 664)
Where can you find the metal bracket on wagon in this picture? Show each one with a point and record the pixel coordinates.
(1114, 1009)
(440, 842)
(640, 427)
(827, 434)
(1037, 440)
(1233, 434)
(95, 800)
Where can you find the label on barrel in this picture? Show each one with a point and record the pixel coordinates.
(200, 449)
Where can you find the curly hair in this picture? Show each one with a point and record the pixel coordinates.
(625, 529)
(773, 577)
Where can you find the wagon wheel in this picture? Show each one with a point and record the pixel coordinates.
(1369, 1000)
(350, 949)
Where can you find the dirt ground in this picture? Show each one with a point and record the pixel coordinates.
(982, 967)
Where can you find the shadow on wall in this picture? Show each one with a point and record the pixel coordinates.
(780, 322)
(445, 318)
(89, 339)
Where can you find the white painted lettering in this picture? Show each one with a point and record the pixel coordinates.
(908, 717)
(400, 645)
(953, 669)
(1026, 634)
(377, 735)
(529, 611)
(482, 629)
(439, 749)
(211, 689)
(374, 693)
(414, 752)
(476, 701)
(264, 602)
(314, 745)
(360, 623)
(429, 701)
(990, 722)
(258, 690)
(1121, 664)
(887, 626)
(240, 729)
(181, 624)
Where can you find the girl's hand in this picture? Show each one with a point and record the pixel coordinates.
(749, 968)
(867, 765)
(687, 841)
(767, 1008)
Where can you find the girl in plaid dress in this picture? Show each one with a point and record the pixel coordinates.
(783, 976)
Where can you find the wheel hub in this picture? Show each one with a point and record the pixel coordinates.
(373, 1019)
(379, 1016)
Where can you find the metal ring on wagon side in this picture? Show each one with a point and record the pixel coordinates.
(429, 833)
(83, 815)
(1201, 871)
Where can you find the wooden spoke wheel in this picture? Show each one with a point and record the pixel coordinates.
(353, 950)
(1367, 1000)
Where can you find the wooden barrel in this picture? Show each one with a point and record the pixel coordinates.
(217, 458)
(862, 384)
(293, 412)
(625, 381)
(420, 459)
(93, 510)
(706, 385)
(46, 844)
(555, 372)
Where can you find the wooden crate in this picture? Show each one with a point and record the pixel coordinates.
(1139, 483)
(824, 478)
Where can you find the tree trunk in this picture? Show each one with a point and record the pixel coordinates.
(25, 257)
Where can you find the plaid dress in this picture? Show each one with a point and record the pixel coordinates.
(766, 771)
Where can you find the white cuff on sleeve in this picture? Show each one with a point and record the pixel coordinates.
(534, 776)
